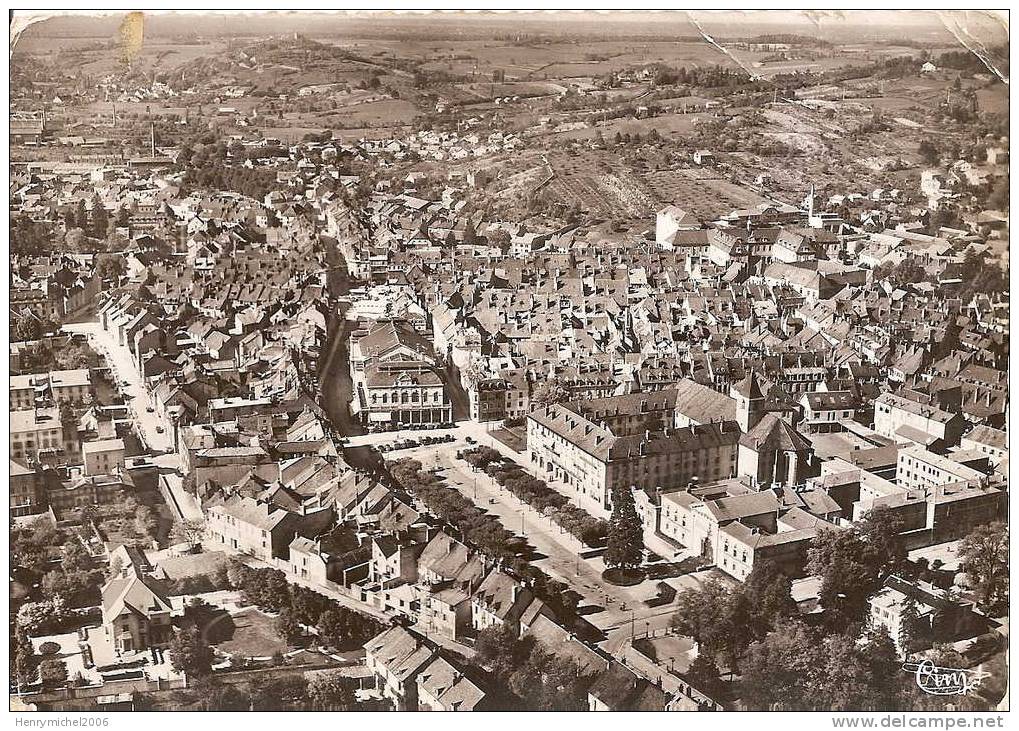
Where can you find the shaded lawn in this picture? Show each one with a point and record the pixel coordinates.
(253, 634)
(196, 564)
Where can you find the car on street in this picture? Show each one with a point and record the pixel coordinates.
(160, 429)
(150, 409)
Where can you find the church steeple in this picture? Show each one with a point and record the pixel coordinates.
(810, 204)
(750, 402)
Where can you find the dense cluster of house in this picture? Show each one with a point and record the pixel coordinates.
(45, 289)
(66, 451)
(750, 379)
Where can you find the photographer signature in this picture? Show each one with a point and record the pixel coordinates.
(944, 681)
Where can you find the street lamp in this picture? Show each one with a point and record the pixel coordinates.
(633, 630)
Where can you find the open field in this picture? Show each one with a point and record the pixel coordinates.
(389, 111)
(538, 60)
(668, 125)
(370, 119)
(194, 564)
(91, 56)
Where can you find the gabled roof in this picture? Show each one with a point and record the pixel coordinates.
(772, 432)
(248, 510)
(17, 469)
(735, 507)
(504, 596)
(133, 593)
(450, 686)
(400, 651)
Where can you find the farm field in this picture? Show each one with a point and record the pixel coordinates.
(993, 99)
(349, 121)
(603, 189)
(391, 111)
(539, 60)
(701, 194)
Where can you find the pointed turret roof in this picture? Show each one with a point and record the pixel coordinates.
(750, 387)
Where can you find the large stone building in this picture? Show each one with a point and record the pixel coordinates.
(920, 468)
(772, 451)
(71, 386)
(736, 527)
(666, 439)
(901, 418)
(238, 524)
(574, 444)
(103, 456)
(397, 381)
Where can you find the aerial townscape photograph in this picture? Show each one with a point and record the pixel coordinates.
(509, 361)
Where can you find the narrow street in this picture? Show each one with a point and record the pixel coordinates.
(154, 431)
(334, 375)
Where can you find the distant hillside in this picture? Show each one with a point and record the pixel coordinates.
(803, 26)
